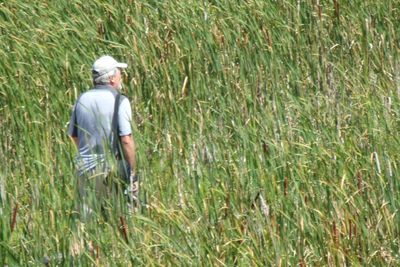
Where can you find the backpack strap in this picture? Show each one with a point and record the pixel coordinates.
(114, 127)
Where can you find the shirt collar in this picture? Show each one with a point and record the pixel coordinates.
(104, 86)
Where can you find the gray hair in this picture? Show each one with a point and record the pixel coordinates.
(104, 78)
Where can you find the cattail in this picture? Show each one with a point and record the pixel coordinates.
(265, 147)
(388, 104)
(267, 37)
(319, 10)
(285, 186)
(336, 4)
(302, 263)
(14, 217)
(100, 28)
(97, 250)
(354, 229)
(335, 234)
(329, 77)
(124, 229)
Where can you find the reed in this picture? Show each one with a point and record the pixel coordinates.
(267, 132)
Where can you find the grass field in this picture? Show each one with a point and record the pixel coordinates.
(267, 132)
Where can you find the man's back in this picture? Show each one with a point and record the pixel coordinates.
(91, 122)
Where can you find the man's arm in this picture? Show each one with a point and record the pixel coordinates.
(72, 128)
(128, 147)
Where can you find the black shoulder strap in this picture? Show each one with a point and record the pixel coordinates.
(115, 140)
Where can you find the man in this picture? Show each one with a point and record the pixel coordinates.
(91, 129)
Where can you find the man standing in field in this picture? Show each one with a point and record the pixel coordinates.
(102, 116)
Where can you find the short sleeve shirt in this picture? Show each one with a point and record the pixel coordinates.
(91, 120)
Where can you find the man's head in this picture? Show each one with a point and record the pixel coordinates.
(106, 70)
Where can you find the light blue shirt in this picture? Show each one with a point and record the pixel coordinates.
(91, 122)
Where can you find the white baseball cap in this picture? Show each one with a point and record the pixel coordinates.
(105, 64)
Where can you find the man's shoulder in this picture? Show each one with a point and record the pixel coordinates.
(95, 93)
(124, 105)
(124, 100)
(124, 97)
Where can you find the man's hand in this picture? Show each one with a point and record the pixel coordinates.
(132, 191)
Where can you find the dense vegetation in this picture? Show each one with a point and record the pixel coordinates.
(267, 131)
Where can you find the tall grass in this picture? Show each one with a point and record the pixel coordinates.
(267, 131)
